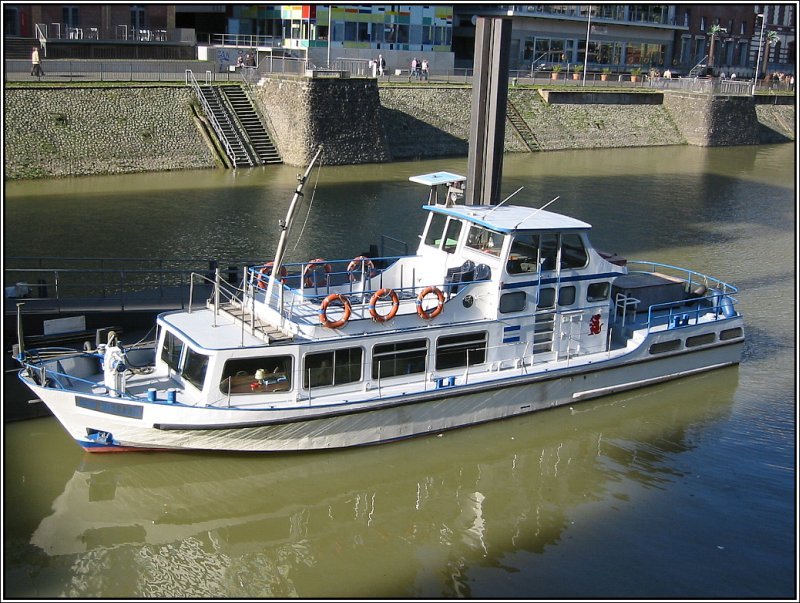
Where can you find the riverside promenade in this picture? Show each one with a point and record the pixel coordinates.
(114, 127)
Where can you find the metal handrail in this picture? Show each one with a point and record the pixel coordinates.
(191, 81)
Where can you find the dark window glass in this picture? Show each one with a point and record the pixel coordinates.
(573, 253)
(547, 297)
(399, 358)
(171, 351)
(566, 296)
(524, 255)
(597, 292)
(435, 229)
(461, 350)
(332, 368)
(512, 302)
(194, 368)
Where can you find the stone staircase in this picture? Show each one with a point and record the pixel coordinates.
(270, 333)
(234, 141)
(522, 128)
(19, 48)
(260, 142)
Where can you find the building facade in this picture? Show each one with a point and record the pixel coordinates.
(354, 31)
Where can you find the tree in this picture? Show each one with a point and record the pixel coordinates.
(714, 31)
(772, 40)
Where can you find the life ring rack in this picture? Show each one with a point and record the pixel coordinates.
(323, 311)
(433, 312)
(266, 271)
(379, 295)
(366, 267)
(309, 272)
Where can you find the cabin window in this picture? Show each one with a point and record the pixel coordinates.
(399, 358)
(485, 240)
(443, 233)
(524, 255)
(566, 296)
(512, 302)
(547, 297)
(332, 368)
(264, 374)
(596, 292)
(461, 350)
(573, 253)
(194, 368)
(171, 350)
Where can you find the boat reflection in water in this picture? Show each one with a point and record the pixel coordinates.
(398, 520)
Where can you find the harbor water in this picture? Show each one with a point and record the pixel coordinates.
(685, 489)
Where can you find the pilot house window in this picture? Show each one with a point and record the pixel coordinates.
(443, 233)
(485, 240)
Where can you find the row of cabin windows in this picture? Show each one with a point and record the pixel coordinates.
(529, 252)
(337, 367)
(517, 301)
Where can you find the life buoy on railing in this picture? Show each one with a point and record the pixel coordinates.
(381, 294)
(315, 273)
(434, 312)
(266, 270)
(361, 264)
(323, 311)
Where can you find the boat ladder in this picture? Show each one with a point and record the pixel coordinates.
(269, 332)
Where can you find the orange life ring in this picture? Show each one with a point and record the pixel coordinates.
(380, 294)
(309, 272)
(266, 270)
(323, 311)
(366, 266)
(428, 314)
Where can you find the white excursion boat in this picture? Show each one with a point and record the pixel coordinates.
(503, 310)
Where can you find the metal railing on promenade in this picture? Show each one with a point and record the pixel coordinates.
(101, 284)
(65, 70)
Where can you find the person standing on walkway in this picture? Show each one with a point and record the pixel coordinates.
(425, 69)
(36, 63)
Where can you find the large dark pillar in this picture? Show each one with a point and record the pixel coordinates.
(488, 119)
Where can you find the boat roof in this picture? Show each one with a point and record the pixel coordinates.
(510, 218)
(435, 178)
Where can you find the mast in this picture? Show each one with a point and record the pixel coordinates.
(286, 225)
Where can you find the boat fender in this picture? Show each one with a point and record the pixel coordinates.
(361, 264)
(311, 273)
(381, 294)
(323, 311)
(266, 270)
(433, 312)
(727, 307)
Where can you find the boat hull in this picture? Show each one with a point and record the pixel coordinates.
(113, 424)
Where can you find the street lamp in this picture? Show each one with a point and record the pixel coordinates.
(758, 58)
(586, 53)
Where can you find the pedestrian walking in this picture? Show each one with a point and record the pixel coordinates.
(36, 63)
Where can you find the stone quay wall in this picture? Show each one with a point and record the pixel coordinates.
(79, 131)
(52, 132)
(343, 115)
